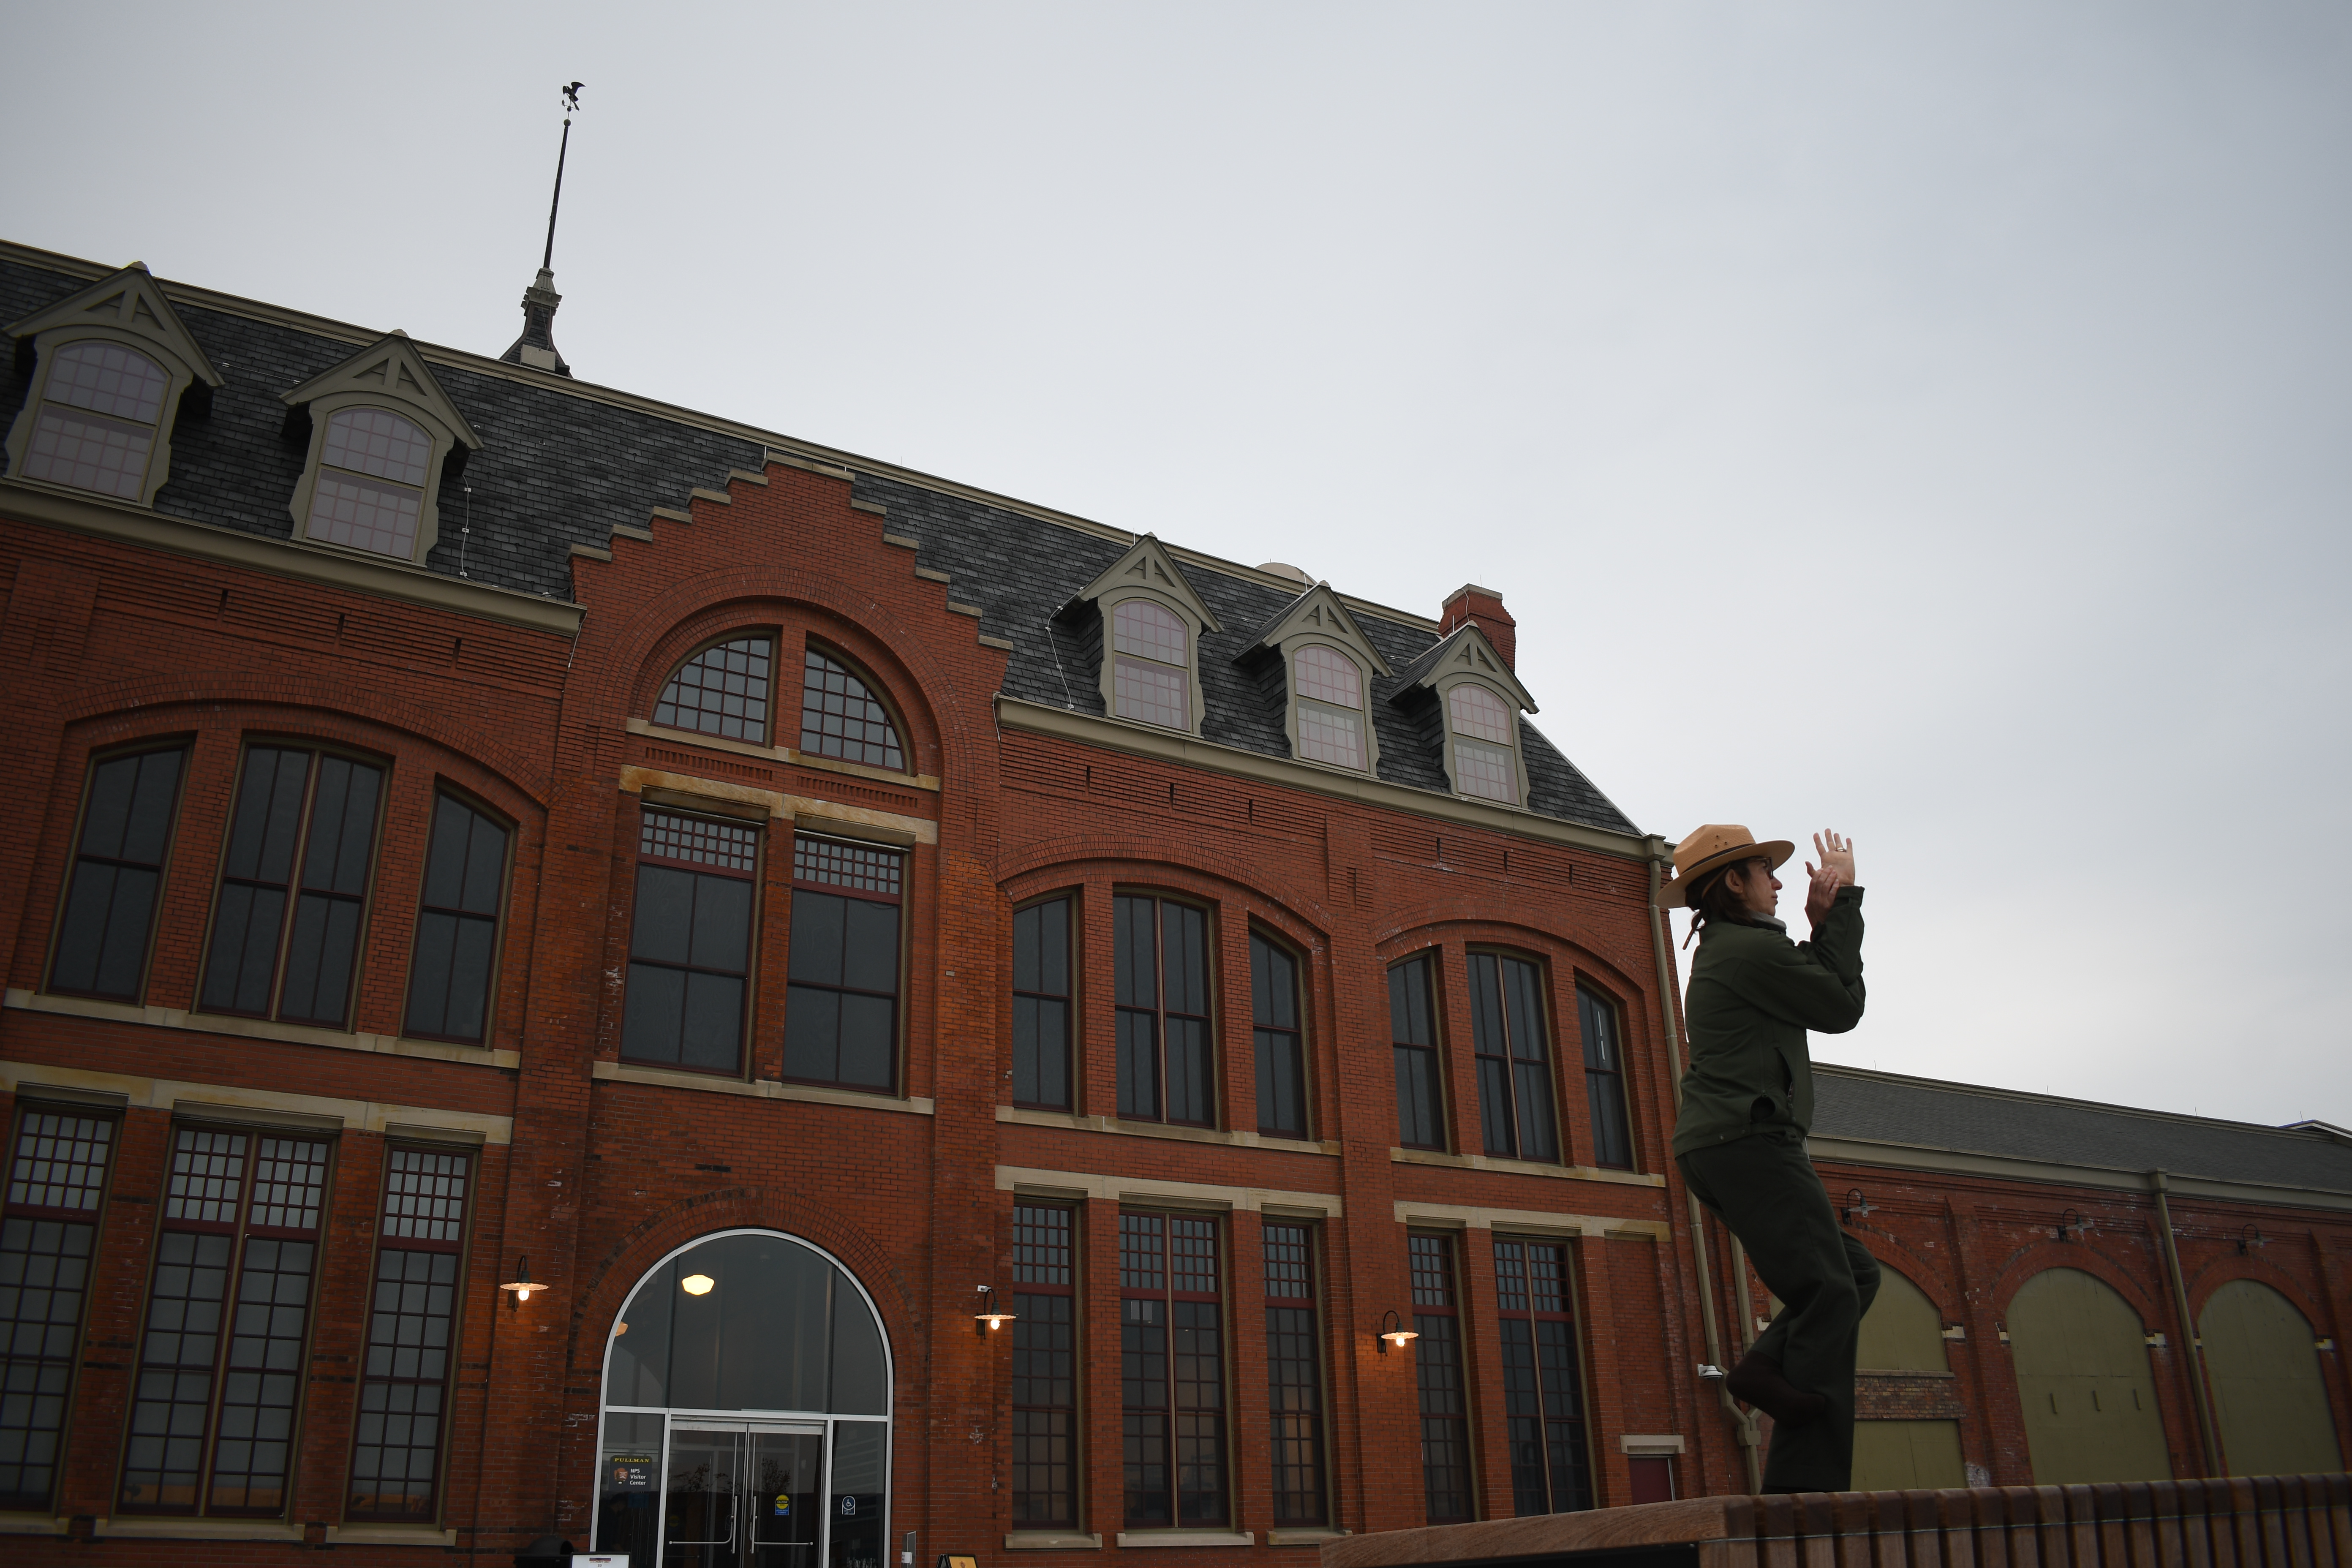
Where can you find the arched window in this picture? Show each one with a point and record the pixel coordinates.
(2270, 1395)
(1903, 1334)
(746, 1405)
(98, 413)
(1485, 763)
(1330, 706)
(840, 717)
(723, 690)
(370, 492)
(1151, 675)
(2083, 1381)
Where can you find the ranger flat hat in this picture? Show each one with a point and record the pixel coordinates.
(1710, 848)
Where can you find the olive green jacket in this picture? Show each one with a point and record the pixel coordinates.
(1753, 993)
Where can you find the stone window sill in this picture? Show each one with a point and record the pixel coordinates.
(1524, 1167)
(257, 1029)
(1187, 1538)
(1161, 1130)
(1051, 1541)
(33, 1524)
(389, 1535)
(761, 1088)
(1305, 1537)
(196, 1529)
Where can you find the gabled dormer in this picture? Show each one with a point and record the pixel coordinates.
(1468, 703)
(1325, 666)
(383, 435)
(1152, 622)
(112, 366)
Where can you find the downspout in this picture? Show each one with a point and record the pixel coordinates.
(1743, 1422)
(2187, 1330)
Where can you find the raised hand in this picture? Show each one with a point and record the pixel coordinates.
(1837, 856)
(1835, 871)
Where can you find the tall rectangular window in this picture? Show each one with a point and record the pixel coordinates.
(109, 912)
(1280, 1046)
(49, 1232)
(841, 1011)
(1543, 1401)
(1045, 1368)
(1171, 1371)
(1437, 1367)
(1040, 1006)
(1294, 1365)
(1515, 1107)
(690, 943)
(1160, 976)
(1604, 1082)
(293, 887)
(404, 1385)
(1413, 1026)
(458, 924)
(220, 1367)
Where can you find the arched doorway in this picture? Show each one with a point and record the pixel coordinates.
(2268, 1394)
(746, 1413)
(2083, 1381)
(1903, 1338)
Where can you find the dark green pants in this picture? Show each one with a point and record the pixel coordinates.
(1765, 1188)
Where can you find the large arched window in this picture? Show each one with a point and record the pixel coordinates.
(746, 1411)
(97, 425)
(370, 491)
(841, 717)
(722, 691)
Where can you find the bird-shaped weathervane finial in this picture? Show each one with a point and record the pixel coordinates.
(572, 98)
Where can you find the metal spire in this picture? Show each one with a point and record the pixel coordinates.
(536, 347)
(570, 108)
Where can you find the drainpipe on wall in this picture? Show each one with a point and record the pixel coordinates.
(2187, 1330)
(1743, 1422)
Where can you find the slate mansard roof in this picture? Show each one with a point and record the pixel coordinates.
(1851, 1103)
(562, 462)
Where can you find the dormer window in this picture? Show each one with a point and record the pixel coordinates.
(1330, 706)
(383, 436)
(1484, 757)
(1153, 652)
(371, 487)
(1145, 622)
(112, 366)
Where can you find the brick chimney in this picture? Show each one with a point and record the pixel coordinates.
(1484, 606)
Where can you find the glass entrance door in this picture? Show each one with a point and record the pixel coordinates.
(743, 1494)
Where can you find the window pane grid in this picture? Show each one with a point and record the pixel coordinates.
(1330, 676)
(57, 1166)
(1331, 735)
(378, 442)
(88, 453)
(1437, 1363)
(829, 863)
(840, 717)
(403, 1392)
(102, 934)
(1543, 1407)
(841, 1003)
(1045, 1368)
(365, 514)
(108, 378)
(690, 944)
(59, 1161)
(1155, 693)
(723, 690)
(1172, 1373)
(694, 841)
(1294, 1366)
(1152, 631)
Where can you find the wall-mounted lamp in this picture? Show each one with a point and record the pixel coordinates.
(697, 1284)
(2249, 1240)
(991, 1314)
(521, 1284)
(1855, 1205)
(2072, 1224)
(1394, 1332)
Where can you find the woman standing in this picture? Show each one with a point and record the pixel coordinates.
(1748, 1103)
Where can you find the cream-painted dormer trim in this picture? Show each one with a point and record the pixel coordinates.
(1316, 618)
(1146, 571)
(1464, 657)
(129, 308)
(389, 374)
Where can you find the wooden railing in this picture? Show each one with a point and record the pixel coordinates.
(2273, 1521)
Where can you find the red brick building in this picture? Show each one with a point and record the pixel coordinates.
(477, 829)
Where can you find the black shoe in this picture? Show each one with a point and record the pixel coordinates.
(1758, 1380)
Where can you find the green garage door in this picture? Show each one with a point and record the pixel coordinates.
(2268, 1395)
(1904, 1333)
(2082, 1377)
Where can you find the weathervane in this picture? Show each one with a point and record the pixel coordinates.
(570, 108)
(536, 347)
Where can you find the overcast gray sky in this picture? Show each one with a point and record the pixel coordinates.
(1929, 420)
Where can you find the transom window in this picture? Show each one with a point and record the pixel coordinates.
(723, 690)
(98, 413)
(1483, 763)
(370, 493)
(840, 717)
(1151, 671)
(1330, 706)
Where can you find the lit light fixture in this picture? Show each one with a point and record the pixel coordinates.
(991, 1313)
(1394, 1332)
(697, 1284)
(521, 1284)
